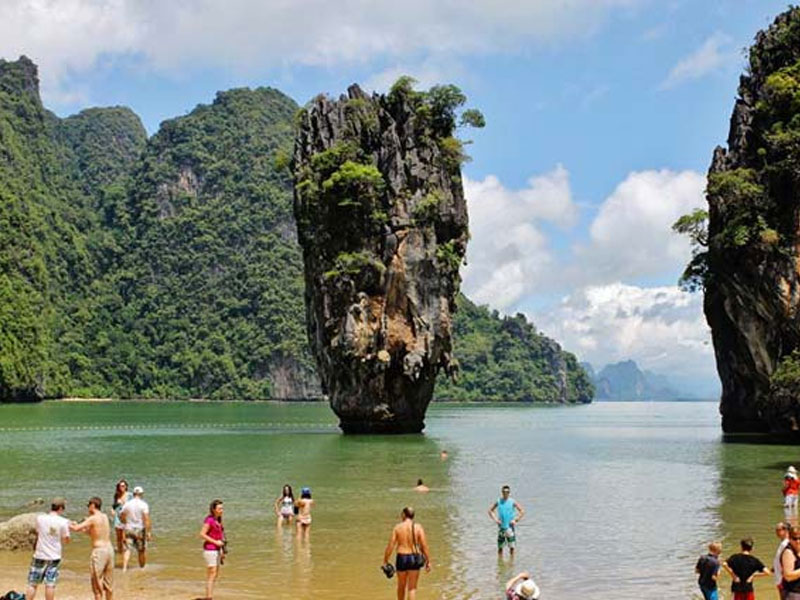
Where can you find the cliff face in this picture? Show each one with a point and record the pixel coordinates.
(51, 235)
(753, 258)
(207, 299)
(382, 221)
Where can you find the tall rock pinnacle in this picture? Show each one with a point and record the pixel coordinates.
(382, 221)
(751, 266)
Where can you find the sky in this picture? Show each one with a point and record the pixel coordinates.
(602, 116)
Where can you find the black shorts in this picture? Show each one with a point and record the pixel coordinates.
(405, 562)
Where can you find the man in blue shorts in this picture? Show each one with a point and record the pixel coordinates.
(707, 569)
(506, 512)
(52, 531)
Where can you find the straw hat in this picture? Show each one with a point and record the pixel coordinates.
(528, 590)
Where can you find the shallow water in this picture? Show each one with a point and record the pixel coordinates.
(621, 497)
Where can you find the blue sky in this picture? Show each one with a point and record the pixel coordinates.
(601, 119)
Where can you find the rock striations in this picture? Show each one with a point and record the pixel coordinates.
(751, 267)
(382, 221)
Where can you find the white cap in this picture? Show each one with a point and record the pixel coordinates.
(138, 490)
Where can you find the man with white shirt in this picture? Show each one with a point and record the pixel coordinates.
(135, 515)
(782, 531)
(52, 532)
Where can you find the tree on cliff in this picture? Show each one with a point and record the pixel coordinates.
(746, 254)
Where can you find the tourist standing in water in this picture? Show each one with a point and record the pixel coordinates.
(409, 540)
(304, 505)
(121, 496)
(213, 535)
(782, 532)
(506, 512)
(135, 515)
(284, 505)
(522, 587)
(52, 532)
(791, 487)
(790, 566)
(101, 560)
(743, 568)
(707, 569)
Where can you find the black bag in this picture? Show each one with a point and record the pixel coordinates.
(418, 559)
(12, 595)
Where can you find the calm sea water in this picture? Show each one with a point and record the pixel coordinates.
(621, 497)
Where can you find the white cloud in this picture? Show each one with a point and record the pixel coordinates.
(608, 315)
(632, 237)
(68, 37)
(709, 57)
(509, 255)
(662, 328)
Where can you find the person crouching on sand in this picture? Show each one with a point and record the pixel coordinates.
(101, 561)
(522, 587)
(213, 535)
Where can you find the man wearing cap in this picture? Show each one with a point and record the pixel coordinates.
(522, 587)
(506, 512)
(135, 515)
(52, 532)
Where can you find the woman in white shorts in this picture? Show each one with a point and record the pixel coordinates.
(213, 535)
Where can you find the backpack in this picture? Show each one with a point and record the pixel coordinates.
(12, 595)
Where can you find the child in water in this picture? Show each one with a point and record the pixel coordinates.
(304, 505)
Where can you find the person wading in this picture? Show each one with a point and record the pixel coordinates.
(412, 553)
(743, 567)
(213, 535)
(101, 560)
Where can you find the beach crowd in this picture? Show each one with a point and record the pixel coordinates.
(744, 567)
(128, 519)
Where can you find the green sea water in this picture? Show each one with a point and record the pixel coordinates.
(621, 497)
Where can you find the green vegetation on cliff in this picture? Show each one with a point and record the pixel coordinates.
(169, 267)
(52, 246)
(206, 299)
(505, 359)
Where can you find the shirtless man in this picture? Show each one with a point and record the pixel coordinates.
(409, 539)
(101, 561)
(421, 487)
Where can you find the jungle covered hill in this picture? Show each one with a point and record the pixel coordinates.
(169, 267)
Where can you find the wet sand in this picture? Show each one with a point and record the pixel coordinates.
(73, 583)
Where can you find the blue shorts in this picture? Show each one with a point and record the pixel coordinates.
(710, 594)
(43, 571)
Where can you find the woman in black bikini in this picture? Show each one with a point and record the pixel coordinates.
(412, 553)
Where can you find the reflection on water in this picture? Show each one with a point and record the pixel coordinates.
(620, 498)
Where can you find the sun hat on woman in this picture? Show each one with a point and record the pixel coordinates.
(528, 590)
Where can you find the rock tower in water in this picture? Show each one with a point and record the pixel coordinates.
(382, 221)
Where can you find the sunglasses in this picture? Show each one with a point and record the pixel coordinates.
(795, 539)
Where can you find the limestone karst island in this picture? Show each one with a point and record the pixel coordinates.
(433, 301)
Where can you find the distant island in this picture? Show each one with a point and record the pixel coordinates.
(625, 381)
